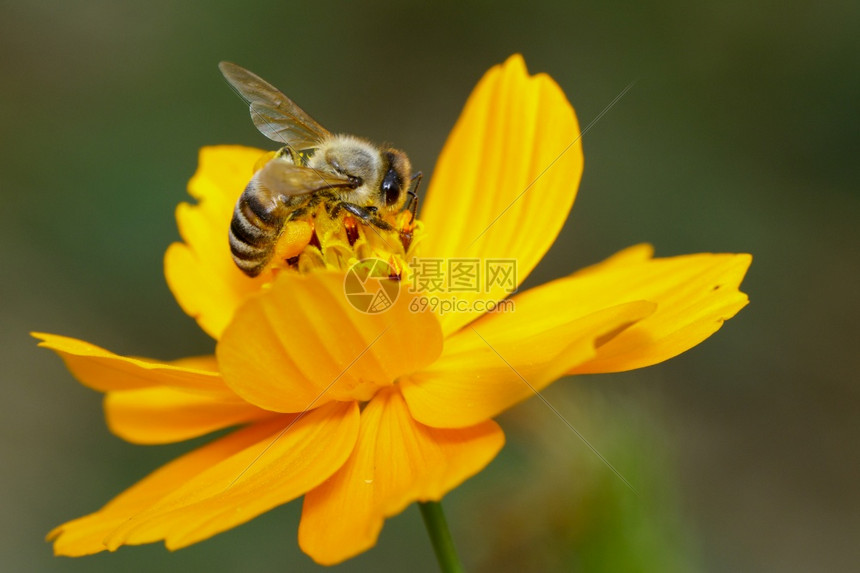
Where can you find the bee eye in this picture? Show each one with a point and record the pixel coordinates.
(391, 187)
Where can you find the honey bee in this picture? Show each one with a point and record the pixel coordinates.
(346, 174)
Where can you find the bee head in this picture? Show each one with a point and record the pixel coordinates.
(398, 172)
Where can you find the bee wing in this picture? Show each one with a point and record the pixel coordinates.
(275, 115)
(283, 178)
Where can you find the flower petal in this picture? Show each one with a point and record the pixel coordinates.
(301, 344)
(506, 178)
(85, 535)
(695, 294)
(506, 358)
(396, 461)
(103, 370)
(162, 415)
(624, 257)
(271, 472)
(200, 272)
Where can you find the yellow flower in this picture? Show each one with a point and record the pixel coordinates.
(364, 414)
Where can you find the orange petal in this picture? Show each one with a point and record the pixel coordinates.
(102, 370)
(695, 295)
(163, 415)
(86, 535)
(396, 461)
(505, 358)
(301, 344)
(200, 272)
(506, 178)
(271, 472)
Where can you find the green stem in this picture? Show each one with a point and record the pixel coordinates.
(440, 536)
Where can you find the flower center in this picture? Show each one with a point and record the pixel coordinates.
(326, 242)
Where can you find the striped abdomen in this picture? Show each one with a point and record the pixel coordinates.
(257, 222)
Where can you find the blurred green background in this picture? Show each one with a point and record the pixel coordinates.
(741, 134)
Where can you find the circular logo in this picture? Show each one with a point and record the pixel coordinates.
(371, 286)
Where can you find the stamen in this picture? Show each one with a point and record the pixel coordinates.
(315, 241)
(337, 243)
(351, 230)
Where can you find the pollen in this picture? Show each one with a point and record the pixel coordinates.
(323, 242)
(297, 235)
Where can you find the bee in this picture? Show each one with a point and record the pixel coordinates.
(346, 174)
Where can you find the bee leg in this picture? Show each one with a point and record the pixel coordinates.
(288, 151)
(412, 203)
(318, 197)
(312, 202)
(416, 182)
(325, 194)
(367, 215)
(363, 213)
(334, 208)
(315, 199)
(297, 213)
